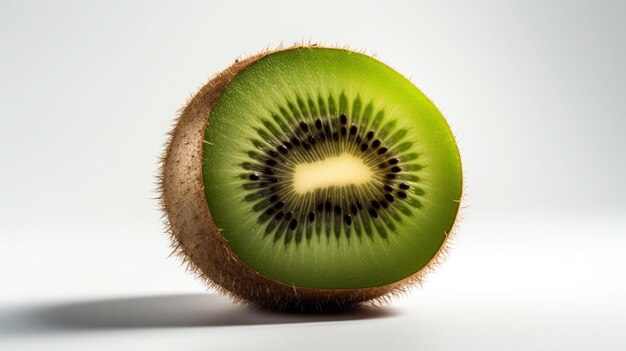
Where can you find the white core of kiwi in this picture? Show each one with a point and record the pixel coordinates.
(342, 170)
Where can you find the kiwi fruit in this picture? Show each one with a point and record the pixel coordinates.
(310, 178)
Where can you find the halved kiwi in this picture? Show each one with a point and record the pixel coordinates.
(310, 178)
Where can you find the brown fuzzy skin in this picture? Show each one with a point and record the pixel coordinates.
(197, 239)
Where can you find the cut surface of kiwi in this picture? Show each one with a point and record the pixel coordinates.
(311, 178)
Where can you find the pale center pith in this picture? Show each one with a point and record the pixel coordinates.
(341, 170)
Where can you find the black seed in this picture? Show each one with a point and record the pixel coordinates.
(401, 194)
(274, 190)
(347, 219)
(359, 205)
(382, 150)
(388, 188)
(283, 149)
(295, 141)
(370, 135)
(268, 171)
(288, 216)
(322, 137)
(375, 204)
(288, 145)
(270, 162)
(280, 215)
(306, 145)
(363, 147)
(335, 136)
(264, 184)
(293, 224)
(353, 209)
(304, 126)
(311, 216)
(404, 186)
(389, 197)
(328, 206)
(254, 176)
(395, 169)
(376, 143)
(393, 161)
(391, 176)
(344, 131)
(343, 119)
(311, 140)
(382, 165)
(384, 204)
(274, 198)
(273, 153)
(373, 212)
(320, 207)
(269, 211)
(318, 123)
(279, 205)
(353, 129)
(337, 209)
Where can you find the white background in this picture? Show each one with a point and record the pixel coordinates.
(533, 90)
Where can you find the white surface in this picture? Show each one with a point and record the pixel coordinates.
(532, 89)
(519, 283)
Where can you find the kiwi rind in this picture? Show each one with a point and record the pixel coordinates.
(197, 239)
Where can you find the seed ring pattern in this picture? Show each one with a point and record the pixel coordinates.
(299, 137)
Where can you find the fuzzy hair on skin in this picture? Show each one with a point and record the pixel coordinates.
(197, 240)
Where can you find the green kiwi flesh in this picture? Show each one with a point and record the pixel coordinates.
(229, 188)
